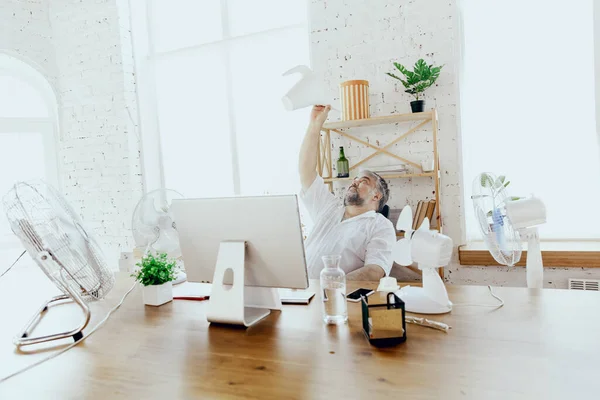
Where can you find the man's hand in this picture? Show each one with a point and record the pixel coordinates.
(318, 115)
(307, 164)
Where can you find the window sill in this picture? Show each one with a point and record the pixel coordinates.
(571, 254)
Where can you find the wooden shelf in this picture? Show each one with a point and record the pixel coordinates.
(389, 119)
(385, 176)
(325, 159)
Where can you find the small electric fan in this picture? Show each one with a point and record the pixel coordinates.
(430, 249)
(154, 227)
(53, 235)
(504, 221)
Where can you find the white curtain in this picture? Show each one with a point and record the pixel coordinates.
(528, 108)
(218, 67)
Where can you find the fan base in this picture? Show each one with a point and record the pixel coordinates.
(417, 301)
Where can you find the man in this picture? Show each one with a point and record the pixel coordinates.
(356, 231)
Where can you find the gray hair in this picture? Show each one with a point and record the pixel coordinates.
(382, 188)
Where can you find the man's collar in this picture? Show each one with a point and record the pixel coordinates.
(366, 214)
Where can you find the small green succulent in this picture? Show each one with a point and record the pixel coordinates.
(155, 270)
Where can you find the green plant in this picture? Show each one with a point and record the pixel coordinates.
(487, 181)
(155, 270)
(422, 77)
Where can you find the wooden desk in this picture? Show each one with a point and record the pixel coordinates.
(542, 344)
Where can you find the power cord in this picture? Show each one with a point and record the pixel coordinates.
(445, 327)
(35, 364)
(13, 264)
(496, 297)
(500, 304)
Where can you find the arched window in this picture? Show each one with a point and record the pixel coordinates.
(28, 131)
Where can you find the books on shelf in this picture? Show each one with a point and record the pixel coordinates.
(389, 169)
(384, 174)
(430, 210)
(384, 168)
(425, 209)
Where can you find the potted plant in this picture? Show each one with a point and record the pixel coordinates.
(156, 274)
(417, 81)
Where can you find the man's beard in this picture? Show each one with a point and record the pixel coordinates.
(353, 198)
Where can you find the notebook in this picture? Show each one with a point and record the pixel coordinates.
(295, 296)
(192, 289)
(430, 210)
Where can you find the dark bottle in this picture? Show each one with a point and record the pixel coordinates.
(343, 168)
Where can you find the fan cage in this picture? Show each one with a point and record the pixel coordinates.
(46, 223)
(489, 198)
(145, 219)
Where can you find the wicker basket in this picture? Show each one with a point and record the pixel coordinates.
(355, 99)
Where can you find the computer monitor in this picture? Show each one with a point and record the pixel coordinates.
(273, 256)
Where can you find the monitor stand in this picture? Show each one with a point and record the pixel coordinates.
(236, 303)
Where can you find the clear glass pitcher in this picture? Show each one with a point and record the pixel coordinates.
(333, 291)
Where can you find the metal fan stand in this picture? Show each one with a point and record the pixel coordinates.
(24, 338)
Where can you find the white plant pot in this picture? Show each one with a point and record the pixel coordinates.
(157, 295)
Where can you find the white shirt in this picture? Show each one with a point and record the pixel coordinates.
(365, 239)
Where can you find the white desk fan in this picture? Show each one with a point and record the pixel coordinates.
(154, 227)
(504, 221)
(54, 237)
(430, 249)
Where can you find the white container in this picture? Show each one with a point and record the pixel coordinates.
(427, 166)
(157, 295)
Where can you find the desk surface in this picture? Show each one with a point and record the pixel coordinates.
(541, 344)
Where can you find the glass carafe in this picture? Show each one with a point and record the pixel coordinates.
(333, 291)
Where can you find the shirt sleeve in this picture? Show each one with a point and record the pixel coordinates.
(317, 199)
(379, 247)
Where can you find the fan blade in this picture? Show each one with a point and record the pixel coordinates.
(161, 204)
(491, 204)
(168, 238)
(167, 242)
(75, 236)
(405, 220)
(149, 214)
(424, 225)
(401, 252)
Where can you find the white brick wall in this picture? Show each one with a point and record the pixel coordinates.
(85, 51)
(25, 33)
(100, 146)
(355, 39)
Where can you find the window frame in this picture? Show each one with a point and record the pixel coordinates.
(555, 253)
(14, 65)
(145, 57)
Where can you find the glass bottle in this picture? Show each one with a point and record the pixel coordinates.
(343, 168)
(333, 291)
